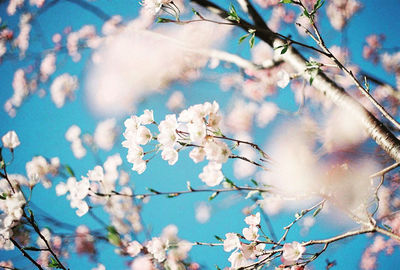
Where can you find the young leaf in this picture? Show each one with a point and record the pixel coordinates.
(163, 20)
(251, 40)
(286, 1)
(212, 197)
(243, 38)
(113, 236)
(218, 238)
(285, 48)
(69, 170)
(254, 182)
(54, 264)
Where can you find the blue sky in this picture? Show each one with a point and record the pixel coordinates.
(41, 128)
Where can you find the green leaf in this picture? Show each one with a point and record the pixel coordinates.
(113, 236)
(254, 182)
(54, 264)
(69, 170)
(219, 238)
(285, 48)
(230, 182)
(306, 14)
(243, 38)
(153, 190)
(217, 267)
(163, 20)
(233, 16)
(316, 212)
(251, 40)
(286, 1)
(3, 196)
(212, 197)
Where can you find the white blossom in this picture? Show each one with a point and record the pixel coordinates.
(10, 140)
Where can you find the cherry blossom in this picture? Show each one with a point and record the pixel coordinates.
(10, 140)
(292, 252)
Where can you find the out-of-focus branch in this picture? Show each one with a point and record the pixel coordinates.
(375, 128)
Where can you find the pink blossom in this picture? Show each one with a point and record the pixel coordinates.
(84, 242)
(292, 252)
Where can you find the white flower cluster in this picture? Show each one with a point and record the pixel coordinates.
(196, 126)
(243, 253)
(11, 205)
(154, 6)
(78, 190)
(169, 241)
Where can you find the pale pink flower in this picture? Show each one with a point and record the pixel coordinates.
(63, 87)
(139, 165)
(13, 5)
(157, 248)
(147, 117)
(73, 133)
(203, 212)
(231, 242)
(10, 140)
(253, 220)
(143, 135)
(105, 134)
(47, 66)
(142, 263)
(97, 174)
(37, 3)
(252, 250)
(169, 154)
(197, 154)
(266, 113)
(292, 252)
(217, 151)
(237, 260)
(84, 241)
(134, 248)
(250, 233)
(283, 78)
(111, 26)
(212, 174)
(176, 101)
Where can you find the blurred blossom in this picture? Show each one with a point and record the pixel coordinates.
(142, 263)
(342, 130)
(105, 134)
(13, 5)
(299, 173)
(176, 101)
(340, 11)
(63, 87)
(115, 84)
(203, 212)
(84, 241)
(47, 66)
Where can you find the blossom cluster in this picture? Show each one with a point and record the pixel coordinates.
(197, 126)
